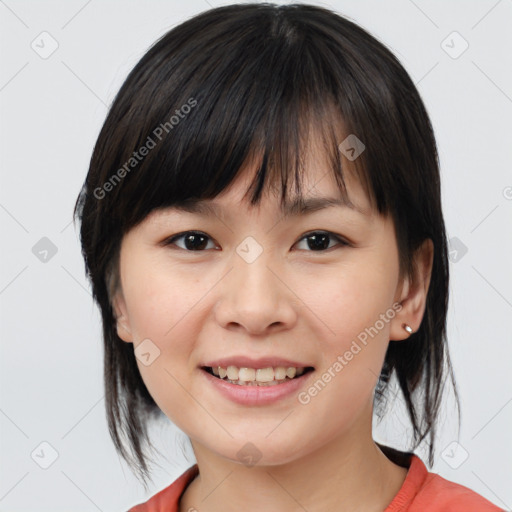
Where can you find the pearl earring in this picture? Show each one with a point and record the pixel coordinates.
(408, 328)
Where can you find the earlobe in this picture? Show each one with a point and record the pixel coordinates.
(121, 318)
(413, 293)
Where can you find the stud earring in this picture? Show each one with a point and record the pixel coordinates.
(408, 328)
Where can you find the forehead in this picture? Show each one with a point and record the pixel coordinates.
(317, 189)
(297, 181)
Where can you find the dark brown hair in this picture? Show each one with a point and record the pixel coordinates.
(254, 82)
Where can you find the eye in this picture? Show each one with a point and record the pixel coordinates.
(318, 241)
(192, 241)
(196, 241)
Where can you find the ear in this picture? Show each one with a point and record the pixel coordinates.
(412, 293)
(121, 317)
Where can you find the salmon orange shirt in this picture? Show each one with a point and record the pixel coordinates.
(421, 492)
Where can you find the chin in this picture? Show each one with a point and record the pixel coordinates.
(261, 453)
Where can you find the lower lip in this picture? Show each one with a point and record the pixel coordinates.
(257, 395)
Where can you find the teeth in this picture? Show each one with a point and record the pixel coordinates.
(265, 374)
(247, 374)
(290, 372)
(232, 373)
(256, 376)
(280, 373)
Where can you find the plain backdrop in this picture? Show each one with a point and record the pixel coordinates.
(61, 66)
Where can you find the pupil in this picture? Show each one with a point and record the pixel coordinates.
(318, 241)
(195, 241)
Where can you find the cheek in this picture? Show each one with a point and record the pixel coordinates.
(355, 307)
(348, 300)
(354, 303)
(167, 306)
(161, 297)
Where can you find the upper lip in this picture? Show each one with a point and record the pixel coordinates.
(249, 362)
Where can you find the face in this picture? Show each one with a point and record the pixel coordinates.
(318, 289)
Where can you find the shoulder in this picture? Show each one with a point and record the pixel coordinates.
(443, 495)
(423, 490)
(167, 499)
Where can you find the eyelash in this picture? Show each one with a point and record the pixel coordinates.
(341, 241)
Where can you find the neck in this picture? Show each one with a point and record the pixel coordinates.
(350, 473)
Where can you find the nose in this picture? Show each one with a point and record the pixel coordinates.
(255, 298)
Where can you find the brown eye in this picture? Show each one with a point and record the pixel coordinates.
(191, 241)
(318, 241)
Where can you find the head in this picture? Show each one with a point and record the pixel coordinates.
(232, 124)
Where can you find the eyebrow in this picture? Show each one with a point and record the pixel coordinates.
(299, 206)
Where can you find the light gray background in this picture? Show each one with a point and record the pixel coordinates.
(51, 355)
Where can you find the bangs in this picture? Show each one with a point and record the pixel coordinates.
(212, 113)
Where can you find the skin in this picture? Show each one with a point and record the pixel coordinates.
(294, 302)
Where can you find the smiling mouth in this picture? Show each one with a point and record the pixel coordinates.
(270, 376)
